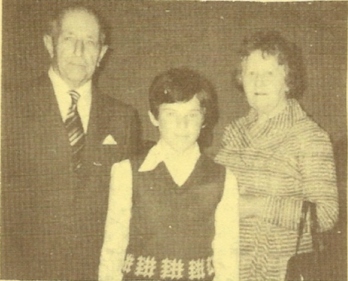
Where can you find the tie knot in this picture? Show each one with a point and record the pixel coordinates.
(74, 96)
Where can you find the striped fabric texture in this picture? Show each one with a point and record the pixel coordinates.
(287, 159)
(75, 131)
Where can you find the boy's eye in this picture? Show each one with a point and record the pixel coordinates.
(193, 114)
(251, 73)
(169, 113)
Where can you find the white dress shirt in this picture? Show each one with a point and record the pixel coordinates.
(61, 91)
(179, 165)
(226, 241)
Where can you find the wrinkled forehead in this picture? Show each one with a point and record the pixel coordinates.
(80, 21)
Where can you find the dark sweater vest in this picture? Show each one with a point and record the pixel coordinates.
(172, 227)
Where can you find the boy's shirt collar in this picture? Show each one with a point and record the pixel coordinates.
(162, 152)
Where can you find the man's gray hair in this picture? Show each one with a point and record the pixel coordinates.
(55, 23)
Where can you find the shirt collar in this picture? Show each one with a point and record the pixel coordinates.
(61, 92)
(60, 86)
(162, 152)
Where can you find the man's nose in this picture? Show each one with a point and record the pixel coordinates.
(79, 48)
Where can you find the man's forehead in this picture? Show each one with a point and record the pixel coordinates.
(79, 19)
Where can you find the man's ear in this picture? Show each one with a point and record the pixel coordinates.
(153, 119)
(103, 50)
(48, 41)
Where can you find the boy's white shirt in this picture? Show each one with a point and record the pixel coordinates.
(179, 165)
(226, 240)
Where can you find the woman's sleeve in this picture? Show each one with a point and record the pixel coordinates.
(117, 223)
(226, 240)
(317, 169)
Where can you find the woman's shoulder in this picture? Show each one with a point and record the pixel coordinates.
(309, 127)
(307, 131)
(235, 123)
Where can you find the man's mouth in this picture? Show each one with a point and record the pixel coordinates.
(77, 64)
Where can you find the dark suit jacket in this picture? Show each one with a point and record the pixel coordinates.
(53, 218)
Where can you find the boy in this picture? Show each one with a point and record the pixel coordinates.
(173, 214)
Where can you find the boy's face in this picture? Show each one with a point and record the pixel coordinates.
(179, 123)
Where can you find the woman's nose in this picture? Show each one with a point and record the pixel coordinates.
(259, 81)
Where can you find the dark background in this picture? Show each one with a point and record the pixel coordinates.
(149, 37)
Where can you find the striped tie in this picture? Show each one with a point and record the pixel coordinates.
(75, 131)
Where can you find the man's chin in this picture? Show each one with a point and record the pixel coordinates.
(76, 78)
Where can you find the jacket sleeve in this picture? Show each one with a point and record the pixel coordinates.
(117, 223)
(318, 180)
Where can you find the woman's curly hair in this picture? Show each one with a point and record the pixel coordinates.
(287, 53)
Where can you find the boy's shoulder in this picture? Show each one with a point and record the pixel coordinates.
(137, 160)
(210, 166)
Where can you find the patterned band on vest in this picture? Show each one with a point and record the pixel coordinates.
(150, 268)
(75, 131)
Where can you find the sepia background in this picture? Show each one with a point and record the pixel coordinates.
(146, 38)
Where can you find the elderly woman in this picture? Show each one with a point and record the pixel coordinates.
(280, 158)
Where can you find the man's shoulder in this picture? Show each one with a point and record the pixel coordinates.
(107, 101)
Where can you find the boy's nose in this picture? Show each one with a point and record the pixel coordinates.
(182, 122)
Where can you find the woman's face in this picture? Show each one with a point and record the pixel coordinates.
(264, 83)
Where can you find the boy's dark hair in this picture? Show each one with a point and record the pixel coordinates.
(181, 85)
(287, 53)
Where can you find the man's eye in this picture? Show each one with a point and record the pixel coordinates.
(91, 43)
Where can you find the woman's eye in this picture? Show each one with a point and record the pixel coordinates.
(170, 114)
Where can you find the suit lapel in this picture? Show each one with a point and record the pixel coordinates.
(47, 137)
(47, 112)
(98, 122)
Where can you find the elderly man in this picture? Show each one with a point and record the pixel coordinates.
(59, 143)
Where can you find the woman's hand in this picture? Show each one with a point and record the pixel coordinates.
(250, 206)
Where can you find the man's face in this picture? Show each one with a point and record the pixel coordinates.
(179, 123)
(77, 50)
